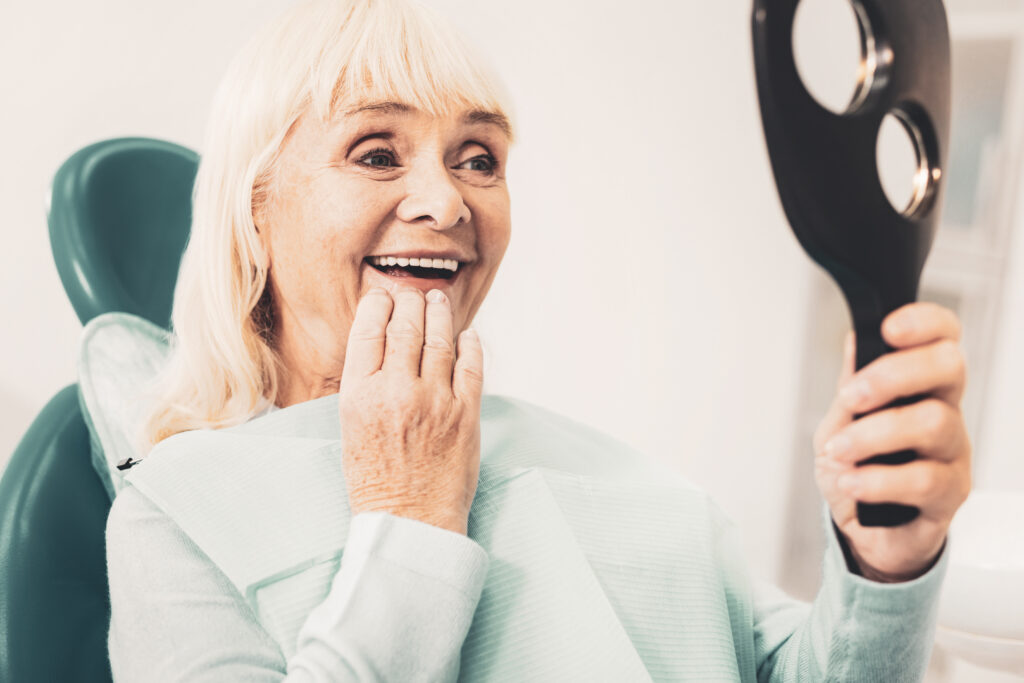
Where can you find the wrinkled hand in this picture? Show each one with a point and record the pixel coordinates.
(410, 410)
(927, 361)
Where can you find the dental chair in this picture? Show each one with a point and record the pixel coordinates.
(119, 217)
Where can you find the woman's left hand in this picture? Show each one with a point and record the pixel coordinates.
(927, 361)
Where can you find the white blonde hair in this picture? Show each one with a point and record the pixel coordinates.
(318, 56)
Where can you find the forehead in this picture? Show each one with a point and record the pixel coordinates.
(465, 115)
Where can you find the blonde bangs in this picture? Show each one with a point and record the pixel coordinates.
(404, 53)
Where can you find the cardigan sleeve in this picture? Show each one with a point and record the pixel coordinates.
(855, 630)
(399, 607)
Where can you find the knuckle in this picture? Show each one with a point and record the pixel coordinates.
(933, 479)
(409, 294)
(950, 357)
(923, 481)
(874, 380)
(933, 418)
(966, 484)
(958, 367)
(956, 327)
(473, 374)
(442, 409)
(873, 481)
(438, 343)
(362, 334)
(403, 328)
(937, 414)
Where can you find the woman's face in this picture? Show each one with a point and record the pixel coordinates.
(380, 181)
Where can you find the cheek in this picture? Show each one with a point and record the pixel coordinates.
(296, 253)
(327, 230)
(495, 228)
(309, 263)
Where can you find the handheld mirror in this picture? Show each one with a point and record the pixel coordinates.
(826, 167)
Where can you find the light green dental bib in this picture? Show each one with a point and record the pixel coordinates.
(602, 565)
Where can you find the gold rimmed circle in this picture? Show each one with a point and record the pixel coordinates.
(907, 174)
(836, 53)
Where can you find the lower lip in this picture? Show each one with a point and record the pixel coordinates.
(376, 278)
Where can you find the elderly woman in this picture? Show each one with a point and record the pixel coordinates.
(331, 497)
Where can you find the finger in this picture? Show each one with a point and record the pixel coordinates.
(931, 428)
(404, 343)
(468, 380)
(920, 323)
(937, 369)
(849, 358)
(834, 421)
(837, 416)
(364, 351)
(926, 484)
(826, 474)
(438, 345)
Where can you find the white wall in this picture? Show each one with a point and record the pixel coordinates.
(74, 73)
(652, 287)
(1001, 464)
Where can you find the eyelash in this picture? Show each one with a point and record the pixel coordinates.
(385, 151)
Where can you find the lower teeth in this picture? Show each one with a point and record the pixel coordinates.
(416, 271)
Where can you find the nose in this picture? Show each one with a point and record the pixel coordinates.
(432, 198)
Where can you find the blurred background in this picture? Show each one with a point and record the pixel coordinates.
(653, 288)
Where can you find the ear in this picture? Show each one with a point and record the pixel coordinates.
(260, 245)
(261, 255)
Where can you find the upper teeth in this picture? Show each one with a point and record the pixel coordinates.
(450, 264)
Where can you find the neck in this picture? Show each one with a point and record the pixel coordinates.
(310, 368)
(292, 389)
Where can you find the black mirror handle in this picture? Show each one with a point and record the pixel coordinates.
(826, 168)
(871, 346)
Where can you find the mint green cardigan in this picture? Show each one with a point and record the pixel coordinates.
(585, 561)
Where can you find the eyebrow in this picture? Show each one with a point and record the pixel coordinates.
(480, 116)
(474, 116)
(380, 107)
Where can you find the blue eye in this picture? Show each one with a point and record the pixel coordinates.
(373, 158)
(383, 157)
(488, 161)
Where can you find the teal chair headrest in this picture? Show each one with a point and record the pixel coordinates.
(120, 213)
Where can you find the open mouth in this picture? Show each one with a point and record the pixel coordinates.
(428, 269)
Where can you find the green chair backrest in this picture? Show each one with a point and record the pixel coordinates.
(54, 604)
(120, 213)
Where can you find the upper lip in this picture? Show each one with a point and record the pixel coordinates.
(408, 253)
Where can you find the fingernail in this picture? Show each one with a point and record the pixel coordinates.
(436, 296)
(378, 290)
(471, 334)
(854, 393)
(848, 482)
(837, 446)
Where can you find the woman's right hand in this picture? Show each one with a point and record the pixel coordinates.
(410, 425)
